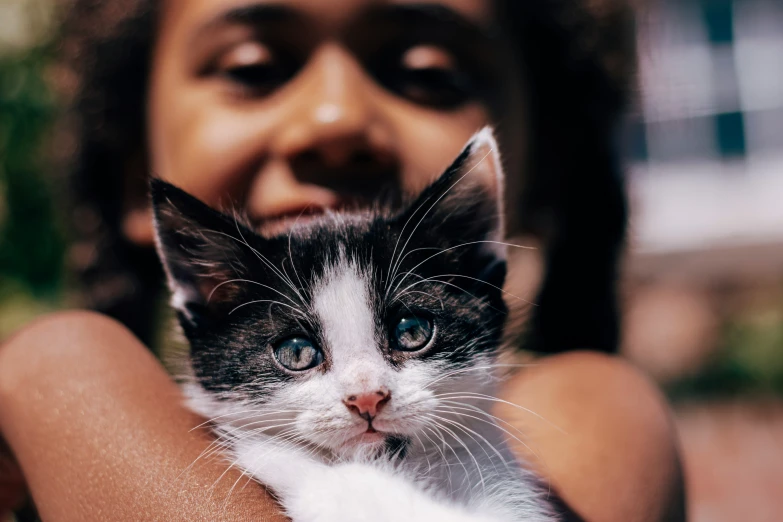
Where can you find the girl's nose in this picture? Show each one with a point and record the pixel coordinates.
(330, 145)
(334, 136)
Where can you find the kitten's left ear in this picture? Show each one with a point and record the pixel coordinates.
(201, 249)
(466, 203)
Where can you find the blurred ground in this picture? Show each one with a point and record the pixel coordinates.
(733, 453)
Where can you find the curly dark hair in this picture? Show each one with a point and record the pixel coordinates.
(577, 57)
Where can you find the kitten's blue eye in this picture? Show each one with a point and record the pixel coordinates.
(298, 354)
(413, 333)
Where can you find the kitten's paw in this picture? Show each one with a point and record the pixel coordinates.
(279, 467)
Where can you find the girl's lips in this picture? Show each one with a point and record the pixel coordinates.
(281, 223)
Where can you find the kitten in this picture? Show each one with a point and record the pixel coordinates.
(349, 363)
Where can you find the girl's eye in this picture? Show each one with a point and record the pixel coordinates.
(413, 333)
(253, 66)
(298, 354)
(429, 75)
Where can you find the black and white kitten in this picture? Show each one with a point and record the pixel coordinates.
(349, 364)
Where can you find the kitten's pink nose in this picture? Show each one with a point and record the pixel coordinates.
(367, 405)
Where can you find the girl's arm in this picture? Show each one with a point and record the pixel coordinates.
(98, 429)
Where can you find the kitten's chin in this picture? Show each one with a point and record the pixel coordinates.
(370, 438)
(364, 445)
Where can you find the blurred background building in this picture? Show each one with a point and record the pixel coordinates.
(705, 148)
(708, 139)
(703, 286)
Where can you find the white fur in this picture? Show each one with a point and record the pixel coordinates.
(342, 304)
(309, 449)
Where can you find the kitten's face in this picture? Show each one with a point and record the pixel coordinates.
(344, 333)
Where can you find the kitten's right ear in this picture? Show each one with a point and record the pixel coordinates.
(463, 211)
(201, 250)
(466, 202)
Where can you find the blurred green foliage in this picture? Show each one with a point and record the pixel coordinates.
(748, 360)
(31, 235)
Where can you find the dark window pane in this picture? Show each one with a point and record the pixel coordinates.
(718, 18)
(730, 133)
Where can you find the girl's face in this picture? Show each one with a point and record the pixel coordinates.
(286, 107)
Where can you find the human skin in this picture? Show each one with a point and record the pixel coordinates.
(95, 422)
